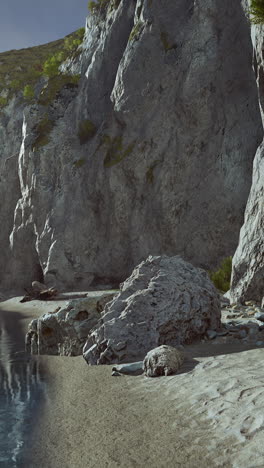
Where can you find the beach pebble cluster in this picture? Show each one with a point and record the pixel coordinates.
(243, 322)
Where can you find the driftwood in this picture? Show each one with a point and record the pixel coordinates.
(44, 295)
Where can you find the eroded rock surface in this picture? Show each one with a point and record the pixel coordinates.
(164, 360)
(165, 301)
(168, 169)
(64, 332)
(248, 262)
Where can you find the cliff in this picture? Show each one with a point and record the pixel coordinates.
(151, 153)
(248, 263)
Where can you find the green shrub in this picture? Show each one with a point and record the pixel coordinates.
(71, 43)
(221, 278)
(51, 66)
(98, 6)
(86, 131)
(257, 11)
(28, 92)
(25, 66)
(43, 129)
(54, 87)
(15, 85)
(3, 101)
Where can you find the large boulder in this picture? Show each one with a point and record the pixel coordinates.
(165, 301)
(65, 331)
(164, 360)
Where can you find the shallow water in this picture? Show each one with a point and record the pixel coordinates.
(22, 392)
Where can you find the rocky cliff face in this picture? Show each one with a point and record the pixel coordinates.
(248, 262)
(151, 154)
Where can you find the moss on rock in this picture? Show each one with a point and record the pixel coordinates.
(43, 129)
(86, 131)
(134, 35)
(54, 86)
(116, 151)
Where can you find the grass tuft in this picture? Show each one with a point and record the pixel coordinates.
(221, 278)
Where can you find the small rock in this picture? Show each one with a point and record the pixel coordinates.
(259, 316)
(222, 333)
(211, 334)
(132, 368)
(37, 286)
(121, 345)
(231, 316)
(259, 343)
(242, 334)
(250, 312)
(116, 374)
(225, 302)
(250, 303)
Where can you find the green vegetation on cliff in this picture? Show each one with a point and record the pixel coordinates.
(21, 69)
(221, 278)
(100, 6)
(257, 11)
(116, 151)
(28, 92)
(54, 87)
(86, 131)
(42, 130)
(3, 101)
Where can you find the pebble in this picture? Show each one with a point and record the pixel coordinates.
(116, 374)
(222, 333)
(259, 343)
(211, 334)
(259, 316)
(250, 312)
(242, 334)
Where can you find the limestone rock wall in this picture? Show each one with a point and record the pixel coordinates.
(170, 90)
(248, 262)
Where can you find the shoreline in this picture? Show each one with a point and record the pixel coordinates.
(92, 419)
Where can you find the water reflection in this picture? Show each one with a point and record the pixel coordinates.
(21, 392)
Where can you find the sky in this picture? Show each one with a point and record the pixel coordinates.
(26, 23)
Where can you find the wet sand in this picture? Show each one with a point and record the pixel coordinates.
(208, 415)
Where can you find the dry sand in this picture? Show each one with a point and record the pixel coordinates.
(209, 415)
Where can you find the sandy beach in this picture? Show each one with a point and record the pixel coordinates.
(208, 415)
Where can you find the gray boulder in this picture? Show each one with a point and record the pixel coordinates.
(64, 332)
(165, 301)
(164, 360)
